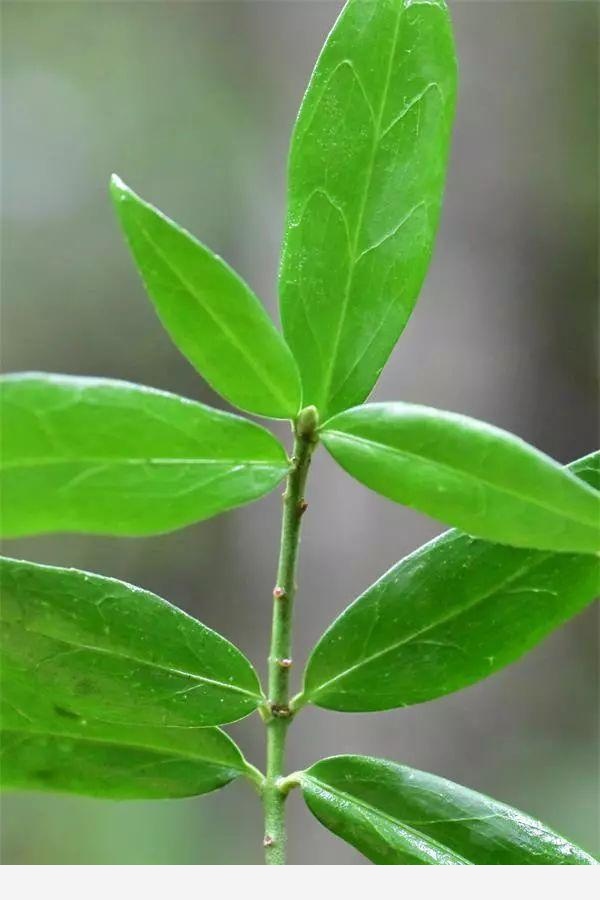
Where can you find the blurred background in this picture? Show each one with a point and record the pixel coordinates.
(192, 104)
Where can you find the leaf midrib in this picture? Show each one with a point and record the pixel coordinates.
(272, 387)
(172, 670)
(397, 823)
(141, 460)
(395, 451)
(353, 259)
(454, 614)
(129, 744)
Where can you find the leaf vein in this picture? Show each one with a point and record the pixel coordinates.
(395, 823)
(229, 334)
(393, 451)
(453, 614)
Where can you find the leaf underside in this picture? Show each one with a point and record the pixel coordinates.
(452, 613)
(365, 182)
(107, 457)
(114, 761)
(395, 815)
(466, 473)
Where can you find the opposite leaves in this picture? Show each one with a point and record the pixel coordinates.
(450, 614)
(400, 816)
(107, 457)
(211, 314)
(366, 176)
(466, 473)
(80, 648)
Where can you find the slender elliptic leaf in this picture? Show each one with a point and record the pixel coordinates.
(366, 176)
(466, 473)
(115, 761)
(395, 815)
(450, 614)
(107, 457)
(77, 646)
(210, 313)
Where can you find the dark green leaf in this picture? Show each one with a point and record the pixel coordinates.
(107, 457)
(366, 175)
(210, 313)
(82, 647)
(466, 473)
(120, 762)
(450, 614)
(400, 816)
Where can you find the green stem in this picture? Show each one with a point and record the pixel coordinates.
(279, 716)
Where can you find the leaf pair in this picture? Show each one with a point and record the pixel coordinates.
(103, 687)
(101, 456)
(444, 618)
(108, 683)
(399, 816)
(366, 175)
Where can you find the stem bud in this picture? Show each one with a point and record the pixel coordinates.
(307, 423)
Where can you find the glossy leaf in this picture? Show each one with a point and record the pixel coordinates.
(107, 457)
(466, 473)
(77, 646)
(211, 314)
(395, 815)
(447, 616)
(115, 761)
(366, 176)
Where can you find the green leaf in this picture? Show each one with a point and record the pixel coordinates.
(466, 473)
(447, 616)
(77, 646)
(395, 815)
(107, 457)
(366, 176)
(115, 761)
(211, 314)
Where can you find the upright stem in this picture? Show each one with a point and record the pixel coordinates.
(280, 656)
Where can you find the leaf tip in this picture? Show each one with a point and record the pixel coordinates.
(118, 188)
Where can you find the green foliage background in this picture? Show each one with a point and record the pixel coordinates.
(193, 103)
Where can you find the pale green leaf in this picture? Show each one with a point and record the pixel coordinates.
(211, 314)
(466, 473)
(107, 457)
(366, 176)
